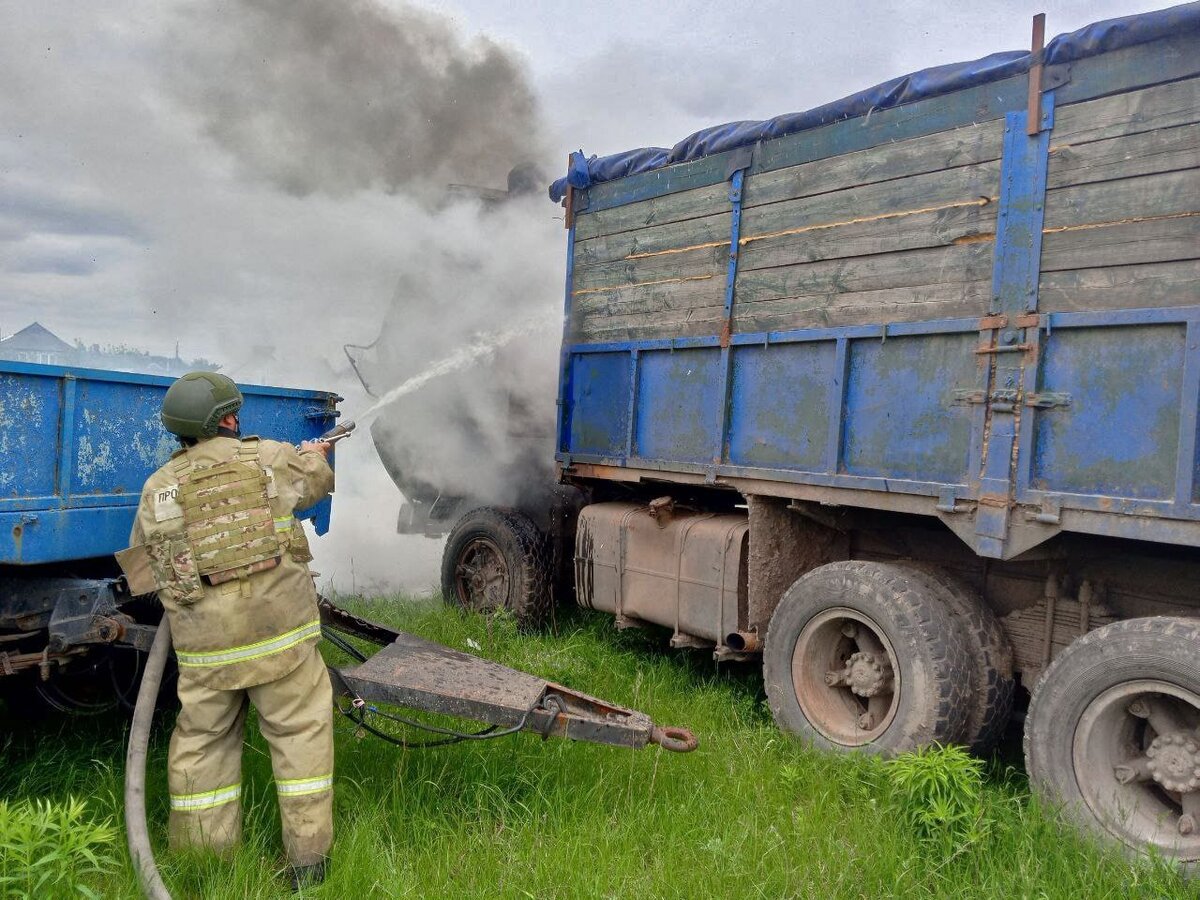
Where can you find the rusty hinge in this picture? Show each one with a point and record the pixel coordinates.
(1048, 399)
(726, 333)
(1003, 348)
(1050, 513)
(947, 502)
(1004, 399)
(989, 322)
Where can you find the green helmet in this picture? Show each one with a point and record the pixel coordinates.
(197, 401)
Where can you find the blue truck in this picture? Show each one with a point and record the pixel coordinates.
(75, 447)
(899, 396)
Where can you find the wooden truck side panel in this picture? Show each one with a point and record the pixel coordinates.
(924, 303)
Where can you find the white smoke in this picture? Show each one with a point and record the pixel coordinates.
(479, 351)
(356, 105)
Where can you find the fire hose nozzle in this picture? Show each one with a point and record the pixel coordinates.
(344, 430)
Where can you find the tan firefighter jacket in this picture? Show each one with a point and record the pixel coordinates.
(216, 531)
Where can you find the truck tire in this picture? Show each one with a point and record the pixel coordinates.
(498, 559)
(1113, 735)
(865, 656)
(992, 683)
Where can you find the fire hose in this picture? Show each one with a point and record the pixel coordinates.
(136, 832)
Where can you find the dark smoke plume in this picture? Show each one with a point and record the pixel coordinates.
(343, 95)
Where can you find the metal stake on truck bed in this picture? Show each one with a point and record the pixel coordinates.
(412, 672)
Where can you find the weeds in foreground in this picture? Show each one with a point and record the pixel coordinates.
(937, 792)
(49, 849)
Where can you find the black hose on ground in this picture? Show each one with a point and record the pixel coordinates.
(135, 767)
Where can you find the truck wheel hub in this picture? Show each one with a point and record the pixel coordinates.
(1174, 761)
(867, 674)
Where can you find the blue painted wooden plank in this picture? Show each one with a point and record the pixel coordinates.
(731, 270)
(837, 406)
(634, 375)
(815, 479)
(66, 437)
(40, 537)
(780, 428)
(1018, 250)
(1186, 460)
(30, 417)
(1119, 436)
(561, 440)
(678, 410)
(901, 418)
(683, 343)
(1150, 316)
(1118, 506)
(600, 389)
(897, 329)
(1023, 488)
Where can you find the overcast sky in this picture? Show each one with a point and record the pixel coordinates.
(254, 179)
(123, 220)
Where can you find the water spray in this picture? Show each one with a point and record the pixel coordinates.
(460, 359)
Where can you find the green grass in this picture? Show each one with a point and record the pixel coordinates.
(750, 814)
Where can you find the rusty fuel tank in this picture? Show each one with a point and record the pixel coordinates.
(667, 565)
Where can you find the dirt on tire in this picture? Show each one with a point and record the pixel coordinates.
(930, 648)
(1072, 765)
(993, 684)
(526, 554)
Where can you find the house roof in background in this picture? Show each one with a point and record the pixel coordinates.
(36, 337)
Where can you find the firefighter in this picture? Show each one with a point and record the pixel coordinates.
(230, 563)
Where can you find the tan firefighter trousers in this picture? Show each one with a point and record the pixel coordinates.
(295, 715)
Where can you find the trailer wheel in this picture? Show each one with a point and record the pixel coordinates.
(1113, 734)
(991, 655)
(498, 559)
(865, 656)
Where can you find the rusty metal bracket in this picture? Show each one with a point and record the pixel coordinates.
(947, 502)
(569, 203)
(1048, 399)
(1033, 122)
(1003, 348)
(1004, 399)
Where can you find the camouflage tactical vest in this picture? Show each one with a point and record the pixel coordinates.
(227, 518)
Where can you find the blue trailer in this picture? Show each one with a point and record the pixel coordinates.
(900, 395)
(75, 447)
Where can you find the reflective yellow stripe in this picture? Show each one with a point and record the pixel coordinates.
(298, 787)
(250, 651)
(284, 524)
(206, 799)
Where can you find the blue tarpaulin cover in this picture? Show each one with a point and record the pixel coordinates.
(1099, 37)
